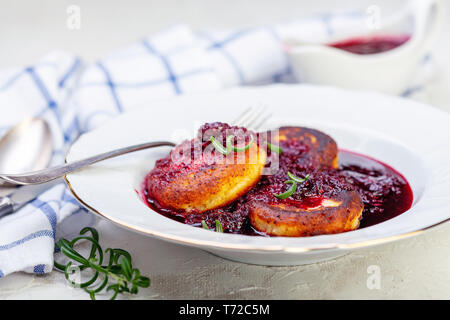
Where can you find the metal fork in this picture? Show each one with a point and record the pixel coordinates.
(252, 118)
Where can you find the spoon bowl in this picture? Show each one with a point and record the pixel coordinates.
(28, 146)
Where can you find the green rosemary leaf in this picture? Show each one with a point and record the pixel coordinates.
(297, 179)
(274, 148)
(219, 227)
(244, 148)
(229, 145)
(289, 192)
(219, 147)
(204, 225)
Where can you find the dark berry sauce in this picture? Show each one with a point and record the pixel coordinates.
(384, 191)
(370, 45)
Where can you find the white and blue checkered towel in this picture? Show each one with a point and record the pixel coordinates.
(75, 98)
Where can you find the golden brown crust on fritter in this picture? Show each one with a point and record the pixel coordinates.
(340, 214)
(212, 186)
(323, 149)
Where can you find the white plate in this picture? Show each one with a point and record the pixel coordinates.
(412, 137)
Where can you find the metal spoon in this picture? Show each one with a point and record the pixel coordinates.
(27, 146)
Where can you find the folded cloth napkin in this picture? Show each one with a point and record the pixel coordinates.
(76, 98)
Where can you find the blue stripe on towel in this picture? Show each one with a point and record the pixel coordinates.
(410, 91)
(220, 45)
(147, 83)
(235, 64)
(171, 74)
(326, 19)
(427, 58)
(69, 73)
(111, 86)
(58, 153)
(68, 197)
(230, 38)
(11, 80)
(19, 74)
(48, 211)
(34, 235)
(37, 80)
(73, 127)
(287, 70)
(45, 93)
(39, 269)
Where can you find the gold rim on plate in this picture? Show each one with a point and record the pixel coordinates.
(220, 245)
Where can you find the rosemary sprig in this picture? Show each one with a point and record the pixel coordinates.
(219, 227)
(293, 182)
(204, 225)
(289, 192)
(297, 179)
(119, 268)
(220, 148)
(245, 148)
(229, 145)
(274, 148)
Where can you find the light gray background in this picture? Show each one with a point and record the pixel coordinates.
(412, 268)
(29, 29)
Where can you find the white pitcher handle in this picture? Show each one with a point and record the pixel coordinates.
(430, 17)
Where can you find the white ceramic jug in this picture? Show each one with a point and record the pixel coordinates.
(389, 72)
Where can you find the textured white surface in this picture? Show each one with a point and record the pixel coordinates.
(413, 268)
(416, 268)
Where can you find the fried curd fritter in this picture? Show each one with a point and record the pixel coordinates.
(324, 204)
(201, 178)
(202, 183)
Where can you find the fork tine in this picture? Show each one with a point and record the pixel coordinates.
(240, 121)
(256, 116)
(253, 117)
(262, 121)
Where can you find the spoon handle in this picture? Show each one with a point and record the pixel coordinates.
(42, 176)
(6, 206)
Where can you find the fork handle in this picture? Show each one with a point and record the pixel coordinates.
(42, 176)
